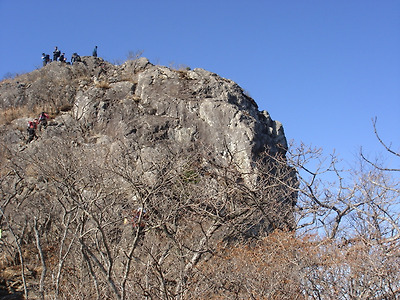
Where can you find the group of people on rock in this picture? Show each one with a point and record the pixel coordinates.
(58, 56)
(39, 122)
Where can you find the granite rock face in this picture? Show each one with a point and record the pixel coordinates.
(187, 148)
(149, 104)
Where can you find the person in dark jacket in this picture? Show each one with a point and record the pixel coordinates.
(56, 54)
(31, 131)
(44, 59)
(62, 58)
(94, 54)
(43, 117)
(75, 58)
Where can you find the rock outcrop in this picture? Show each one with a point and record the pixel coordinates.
(142, 169)
(151, 105)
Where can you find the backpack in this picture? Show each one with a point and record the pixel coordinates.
(31, 125)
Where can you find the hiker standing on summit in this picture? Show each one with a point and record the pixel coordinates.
(94, 54)
(44, 59)
(56, 53)
(62, 58)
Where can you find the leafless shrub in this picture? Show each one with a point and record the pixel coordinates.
(132, 55)
(207, 230)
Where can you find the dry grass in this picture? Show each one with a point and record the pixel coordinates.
(12, 113)
(129, 79)
(136, 99)
(182, 71)
(9, 77)
(6, 80)
(103, 85)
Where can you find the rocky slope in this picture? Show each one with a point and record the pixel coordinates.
(149, 104)
(187, 146)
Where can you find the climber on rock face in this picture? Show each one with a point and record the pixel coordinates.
(43, 117)
(31, 131)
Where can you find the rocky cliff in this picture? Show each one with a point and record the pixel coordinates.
(150, 105)
(187, 147)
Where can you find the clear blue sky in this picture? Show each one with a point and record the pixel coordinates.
(323, 68)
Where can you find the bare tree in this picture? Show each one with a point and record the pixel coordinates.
(298, 227)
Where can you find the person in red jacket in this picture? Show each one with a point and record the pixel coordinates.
(31, 131)
(139, 218)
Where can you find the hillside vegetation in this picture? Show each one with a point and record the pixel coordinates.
(155, 183)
